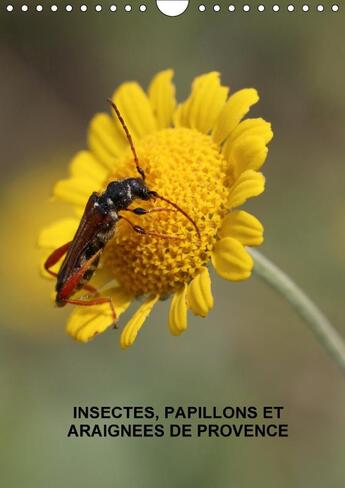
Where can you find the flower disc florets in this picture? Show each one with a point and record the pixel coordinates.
(201, 154)
(186, 167)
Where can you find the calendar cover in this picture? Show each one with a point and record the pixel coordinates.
(173, 270)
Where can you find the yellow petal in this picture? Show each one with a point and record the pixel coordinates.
(201, 110)
(106, 140)
(250, 127)
(85, 165)
(136, 110)
(249, 184)
(231, 261)
(199, 295)
(86, 322)
(58, 233)
(178, 312)
(234, 110)
(244, 227)
(162, 97)
(247, 153)
(75, 190)
(132, 328)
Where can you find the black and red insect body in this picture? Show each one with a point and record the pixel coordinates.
(96, 228)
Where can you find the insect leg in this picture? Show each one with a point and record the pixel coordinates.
(144, 211)
(91, 288)
(141, 230)
(55, 256)
(93, 301)
(70, 285)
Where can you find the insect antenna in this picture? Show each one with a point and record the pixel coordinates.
(179, 209)
(129, 137)
(141, 171)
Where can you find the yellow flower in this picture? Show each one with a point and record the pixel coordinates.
(201, 155)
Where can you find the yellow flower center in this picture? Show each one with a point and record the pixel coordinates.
(186, 167)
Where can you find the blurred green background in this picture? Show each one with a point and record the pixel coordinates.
(57, 71)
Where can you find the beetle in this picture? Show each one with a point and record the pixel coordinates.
(97, 226)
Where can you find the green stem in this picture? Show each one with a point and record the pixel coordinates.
(318, 323)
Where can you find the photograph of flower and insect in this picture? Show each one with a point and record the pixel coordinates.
(173, 211)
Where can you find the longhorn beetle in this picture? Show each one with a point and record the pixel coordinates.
(96, 228)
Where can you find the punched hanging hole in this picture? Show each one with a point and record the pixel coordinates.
(172, 8)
